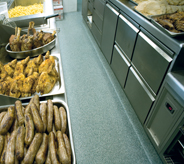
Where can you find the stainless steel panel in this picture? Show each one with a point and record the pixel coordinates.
(119, 65)
(97, 20)
(108, 32)
(126, 35)
(163, 118)
(99, 6)
(96, 33)
(84, 9)
(151, 61)
(138, 95)
(90, 7)
(26, 3)
(58, 103)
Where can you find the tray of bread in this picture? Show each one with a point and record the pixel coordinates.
(148, 8)
(40, 75)
(32, 132)
(172, 24)
(31, 44)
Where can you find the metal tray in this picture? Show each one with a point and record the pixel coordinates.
(171, 34)
(58, 103)
(31, 53)
(59, 86)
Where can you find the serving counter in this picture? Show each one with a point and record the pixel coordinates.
(58, 93)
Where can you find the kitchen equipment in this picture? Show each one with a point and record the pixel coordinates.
(3, 9)
(39, 19)
(31, 53)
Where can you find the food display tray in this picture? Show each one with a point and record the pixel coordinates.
(59, 86)
(32, 53)
(58, 103)
(171, 34)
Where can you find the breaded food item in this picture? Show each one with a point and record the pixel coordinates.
(151, 8)
(52, 147)
(19, 113)
(29, 129)
(57, 120)
(43, 114)
(38, 123)
(20, 142)
(50, 113)
(7, 120)
(63, 117)
(10, 151)
(42, 152)
(33, 149)
(2, 141)
(176, 2)
(64, 151)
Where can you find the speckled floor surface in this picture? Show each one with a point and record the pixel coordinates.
(105, 128)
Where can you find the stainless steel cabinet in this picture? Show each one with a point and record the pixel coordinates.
(84, 9)
(151, 61)
(166, 112)
(138, 95)
(96, 33)
(108, 32)
(126, 35)
(120, 65)
(97, 18)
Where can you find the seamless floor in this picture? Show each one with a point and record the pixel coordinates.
(105, 128)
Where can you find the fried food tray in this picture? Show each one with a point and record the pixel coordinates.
(171, 34)
(32, 53)
(58, 103)
(59, 86)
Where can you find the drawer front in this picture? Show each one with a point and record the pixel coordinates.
(126, 35)
(99, 6)
(108, 32)
(151, 61)
(119, 65)
(96, 33)
(90, 7)
(138, 95)
(97, 20)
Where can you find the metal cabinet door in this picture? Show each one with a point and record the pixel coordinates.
(108, 32)
(99, 6)
(165, 114)
(126, 35)
(96, 33)
(138, 95)
(97, 20)
(119, 65)
(151, 61)
(84, 9)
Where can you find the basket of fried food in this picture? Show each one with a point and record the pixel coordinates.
(172, 24)
(26, 77)
(31, 44)
(36, 132)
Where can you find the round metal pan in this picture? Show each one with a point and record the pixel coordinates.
(31, 53)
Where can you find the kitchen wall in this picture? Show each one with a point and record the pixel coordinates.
(69, 5)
